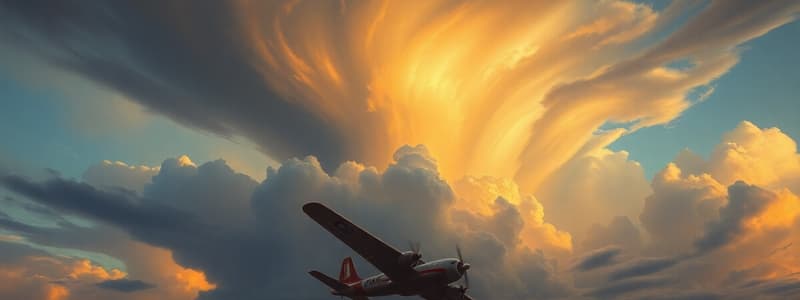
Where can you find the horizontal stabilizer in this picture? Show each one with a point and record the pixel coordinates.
(330, 282)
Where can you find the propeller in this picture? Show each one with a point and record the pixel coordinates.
(414, 246)
(416, 249)
(462, 268)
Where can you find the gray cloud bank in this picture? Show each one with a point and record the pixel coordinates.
(252, 240)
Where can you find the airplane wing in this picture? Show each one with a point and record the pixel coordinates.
(445, 293)
(378, 253)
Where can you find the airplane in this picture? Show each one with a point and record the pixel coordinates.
(404, 273)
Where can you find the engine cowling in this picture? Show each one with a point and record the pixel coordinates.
(409, 258)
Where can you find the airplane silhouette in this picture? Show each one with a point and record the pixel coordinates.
(404, 273)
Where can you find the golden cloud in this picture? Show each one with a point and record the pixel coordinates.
(509, 91)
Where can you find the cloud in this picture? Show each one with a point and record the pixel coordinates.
(703, 295)
(28, 273)
(71, 236)
(679, 208)
(614, 93)
(620, 232)
(362, 79)
(213, 190)
(108, 174)
(221, 222)
(642, 267)
(125, 285)
(705, 236)
(490, 203)
(598, 258)
(765, 157)
(203, 230)
(694, 209)
(350, 82)
(744, 202)
(620, 288)
(595, 187)
(388, 204)
(176, 89)
(100, 241)
(783, 289)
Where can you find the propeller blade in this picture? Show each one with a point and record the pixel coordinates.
(466, 281)
(464, 266)
(414, 246)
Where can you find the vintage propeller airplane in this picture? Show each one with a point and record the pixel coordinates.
(404, 273)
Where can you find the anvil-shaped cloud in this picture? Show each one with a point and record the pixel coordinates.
(517, 89)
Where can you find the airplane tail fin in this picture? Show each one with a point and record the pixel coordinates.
(330, 282)
(348, 273)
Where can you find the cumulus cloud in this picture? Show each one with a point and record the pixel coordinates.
(488, 202)
(595, 187)
(390, 204)
(214, 226)
(679, 208)
(706, 233)
(620, 232)
(221, 222)
(744, 202)
(711, 231)
(212, 190)
(108, 174)
(765, 157)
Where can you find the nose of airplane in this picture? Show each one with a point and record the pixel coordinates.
(462, 267)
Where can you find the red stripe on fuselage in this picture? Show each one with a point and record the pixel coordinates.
(438, 270)
(358, 287)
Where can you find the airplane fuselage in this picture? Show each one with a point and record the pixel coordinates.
(429, 274)
(403, 273)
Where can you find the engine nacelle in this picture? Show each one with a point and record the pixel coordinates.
(409, 258)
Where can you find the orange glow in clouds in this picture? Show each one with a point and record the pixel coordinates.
(194, 281)
(56, 292)
(490, 89)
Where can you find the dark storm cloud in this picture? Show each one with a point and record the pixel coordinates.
(598, 258)
(183, 59)
(125, 285)
(115, 208)
(642, 267)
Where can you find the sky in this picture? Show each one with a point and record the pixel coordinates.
(760, 89)
(574, 149)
